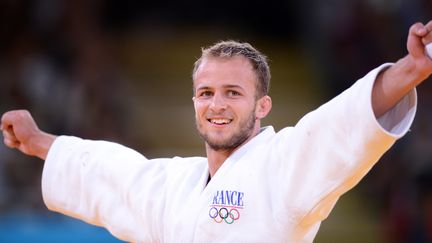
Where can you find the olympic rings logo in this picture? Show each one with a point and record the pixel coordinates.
(223, 214)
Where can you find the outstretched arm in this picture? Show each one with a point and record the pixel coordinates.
(395, 82)
(21, 132)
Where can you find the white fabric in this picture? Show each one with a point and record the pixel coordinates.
(278, 187)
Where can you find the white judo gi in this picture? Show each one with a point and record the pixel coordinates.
(276, 188)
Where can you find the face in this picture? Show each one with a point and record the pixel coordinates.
(225, 102)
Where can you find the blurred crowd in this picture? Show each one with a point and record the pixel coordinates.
(64, 61)
(56, 62)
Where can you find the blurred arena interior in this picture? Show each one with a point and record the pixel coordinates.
(121, 71)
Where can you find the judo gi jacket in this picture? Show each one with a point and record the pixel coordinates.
(277, 187)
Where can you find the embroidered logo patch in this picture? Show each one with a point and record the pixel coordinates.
(226, 206)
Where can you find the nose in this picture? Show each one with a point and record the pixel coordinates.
(218, 103)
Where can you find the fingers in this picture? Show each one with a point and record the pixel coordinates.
(10, 143)
(422, 31)
(418, 29)
(427, 37)
(414, 44)
(9, 138)
(419, 36)
(9, 116)
(6, 119)
(8, 122)
(429, 26)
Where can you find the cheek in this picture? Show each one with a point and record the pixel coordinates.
(199, 108)
(248, 108)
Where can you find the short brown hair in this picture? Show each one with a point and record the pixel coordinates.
(226, 49)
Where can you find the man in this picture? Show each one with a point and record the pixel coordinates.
(255, 185)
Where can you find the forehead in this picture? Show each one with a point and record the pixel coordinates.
(236, 70)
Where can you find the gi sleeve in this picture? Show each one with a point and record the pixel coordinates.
(105, 184)
(336, 145)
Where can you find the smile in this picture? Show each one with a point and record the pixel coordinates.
(220, 121)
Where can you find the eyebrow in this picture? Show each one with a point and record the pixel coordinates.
(233, 86)
(227, 86)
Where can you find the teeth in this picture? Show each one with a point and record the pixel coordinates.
(220, 121)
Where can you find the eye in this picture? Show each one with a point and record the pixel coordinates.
(233, 93)
(206, 94)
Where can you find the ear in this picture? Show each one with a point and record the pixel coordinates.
(264, 105)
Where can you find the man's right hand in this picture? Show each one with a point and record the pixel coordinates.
(21, 132)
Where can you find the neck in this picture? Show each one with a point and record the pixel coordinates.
(217, 157)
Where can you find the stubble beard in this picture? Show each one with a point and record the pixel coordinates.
(238, 138)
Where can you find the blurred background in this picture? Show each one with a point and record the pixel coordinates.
(121, 71)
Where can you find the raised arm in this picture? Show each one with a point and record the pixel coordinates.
(395, 82)
(21, 132)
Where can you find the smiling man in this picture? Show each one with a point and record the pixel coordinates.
(229, 98)
(255, 185)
